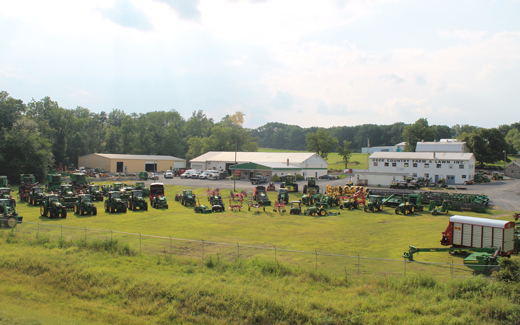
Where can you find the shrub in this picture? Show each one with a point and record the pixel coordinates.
(509, 271)
(234, 176)
(275, 178)
(299, 177)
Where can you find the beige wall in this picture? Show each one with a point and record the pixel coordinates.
(132, 165)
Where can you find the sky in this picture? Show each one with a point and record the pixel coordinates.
(309, 63)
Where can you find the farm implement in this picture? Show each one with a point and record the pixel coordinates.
(9, 216)
(255, 205)
(84, 205)
(279, 206)
(260, 196)
(435, 209)
(199, 208)
(4, 182)
(5, 193)
(51, 207)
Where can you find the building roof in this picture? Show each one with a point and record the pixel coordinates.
(480, 221)
(268, 165)
(423, 155)
(258, 157)
(136, 157)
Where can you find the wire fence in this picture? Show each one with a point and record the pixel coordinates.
(333, 264)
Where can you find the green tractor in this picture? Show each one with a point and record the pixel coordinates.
(5, 193)
(260, 196)
(186, 198)
(26, 183)
(114, 203)
(95, 192)
(143, 176)
(199, 208)
(349, 204)
(217, 204)
(159, 202)
(328, 201)
(374, 204)
(137, 201)
(52, 207)
(141, 186)
(9, 216)
(290, 183)
(67, 197)
(296, 207)
(79, 181)
(405, 208)
(435, 209)
(157, 198)
(115, 187)
(497, 176)
(311, 183)
(36, 196)
(53, 182)
(319, 211)
(311, 197)
(85, 205)
(4, 182)
(283, 195)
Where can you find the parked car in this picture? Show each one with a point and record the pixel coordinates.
(153, 176)
(188, 173)
(195, 175)
(168, 174)
(258, 179)
(327, 177)
(205, 174)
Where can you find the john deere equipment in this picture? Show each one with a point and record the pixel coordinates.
(4, 182)
(374, 204)
(497, 176)
(199, 208)
(95, 192)
(311, 183)
(53, 182)
(328, 201)
(79, 181)
(159, 202)
(114, 203)
(36, 196)
(350, 204)
(438, 209)
(270, 186)
(311, 197)
(9, 216)
(319, 211)
(5, 193)
(217, 205)
(141, 186)
(290, 183)
(481, 261)
(393, 200)
(26, 183)
(260, 196)
(51, 207)
(296, 207)
(67, 197)
(85, 205)
(405, 208)
(157, 198)
(283, 195)
(137, 201)
(115, 187)
(143, 176)
(186, 198)
(480, 178)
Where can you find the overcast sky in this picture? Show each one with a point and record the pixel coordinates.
(311, 63)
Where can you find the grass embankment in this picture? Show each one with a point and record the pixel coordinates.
(51, 282)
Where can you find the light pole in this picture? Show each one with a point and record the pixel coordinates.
(235, 169)
(505, 160)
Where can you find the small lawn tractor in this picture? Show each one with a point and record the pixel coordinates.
(311, 183)
(114, 203)
(319, 211)
(9, 216)
(51, 207)
(497, 176)
(279, 206)
(283, 195)
(85, 205)
(438, 209)
(405, 208)
(290, 183)
(260, 196)
(217, 205)
(349, 203)
(36, 196)
(186, 198)
(53, 182)
(296, 207)
(137, 201)
(374, 204)
(67, 197)
(96, 194)
(199, 208)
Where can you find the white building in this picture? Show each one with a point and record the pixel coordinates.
(263, 163)
(378, 149)
(455, 168)
(444, 145)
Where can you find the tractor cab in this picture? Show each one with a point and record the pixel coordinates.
(296, 207)
(65, 189)
(93, 188)
(114, 195)
(137, 193)
(117, 186)
(85, 198)
(4, 182)
(36, 190)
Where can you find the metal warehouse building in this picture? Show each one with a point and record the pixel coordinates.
(116, 163)
(263, 163)
(455, 168)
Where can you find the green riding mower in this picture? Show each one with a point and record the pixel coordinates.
(199, 208)
(52, 207)
(319, 211)
(443, 208)
(405, 208)
(296, 207)
(217, 204)
(9, 216)
(84, 205)
(349, 204)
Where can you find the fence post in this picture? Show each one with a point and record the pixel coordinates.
(275, 255)
(140, 242)
(85, 236)
(452, 270)
(61, 233)
(358, 266)
(316, 264)
(38, 228)
(170, 247)
(405, 267)
(202, 250)
(111, 236)
(238, 247)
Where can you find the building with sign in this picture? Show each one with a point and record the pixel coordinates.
(385, 167)
(250, 164)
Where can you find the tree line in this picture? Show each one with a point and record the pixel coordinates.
(40, 136)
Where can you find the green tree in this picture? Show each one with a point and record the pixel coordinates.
(416, 132)
(513, 139)
(487, 145)
(345, 152)
(321, 142)
(25, 151)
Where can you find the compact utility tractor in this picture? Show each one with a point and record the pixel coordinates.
(311, 197)
(290, 183)
(27, 182)
(143, 176)
(79, 181)
(296, 207)
(435, 209)
(186, 198)
(157, 198)
(53, 182)
(311, 183)
(52, 207)
(260, 196)
(349, 203)
(283, 195)
(217, 204)
(328, 201)
(95, 192)
(137, 201)
(199, 208)
(8, 215)
(67, 197)
(5, 193)
(374, 204)
(319, 211)
(114, 203)
(141, 186)
(36, 196)
(405, 208)
(84, 205)
(497, 176)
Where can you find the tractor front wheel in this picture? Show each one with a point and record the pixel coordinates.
(123, 209)
(11, 222)
(112, 208)
(42, 211)
(406, 211)
(381, 207)
(94, 211)
(323, 212)
(145, 206)
(396, 210)
(76, 209)
(82, 211)
(64, 212)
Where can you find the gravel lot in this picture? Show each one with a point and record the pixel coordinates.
(504, 195)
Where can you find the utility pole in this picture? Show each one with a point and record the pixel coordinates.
(505, 161)
(235, 169)
(368, 153)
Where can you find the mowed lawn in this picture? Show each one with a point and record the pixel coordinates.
(380, 235)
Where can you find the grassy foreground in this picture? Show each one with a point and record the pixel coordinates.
(51, 282)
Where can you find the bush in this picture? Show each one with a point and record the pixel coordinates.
(234, 176)
(275, 178)
(509, 271)
(299, 177)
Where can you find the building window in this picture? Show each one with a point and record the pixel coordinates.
(375, 163)
(438, 165)
(426, 165)
(394, 164)
(414, 165)
(406, 165)
(450, 166)
(414, 175)
(463, 176)
(461, 166)
(426, 175)
(386, 164)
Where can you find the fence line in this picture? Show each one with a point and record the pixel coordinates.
(381, 266)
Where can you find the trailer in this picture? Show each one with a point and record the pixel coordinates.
(474, 232)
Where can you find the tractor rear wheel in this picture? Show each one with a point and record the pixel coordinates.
(123, 208)
(412, 210)
(396, 210)
(82, 211)
(94, 211)
(145, 206)
(112, 208)
(42, 211)
(106, 206)
(76, 209)
(381, 207)
(365, 208)
(11, 222)
(323, 212)
(64, 212)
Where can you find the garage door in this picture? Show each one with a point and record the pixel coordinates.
(149, 166)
